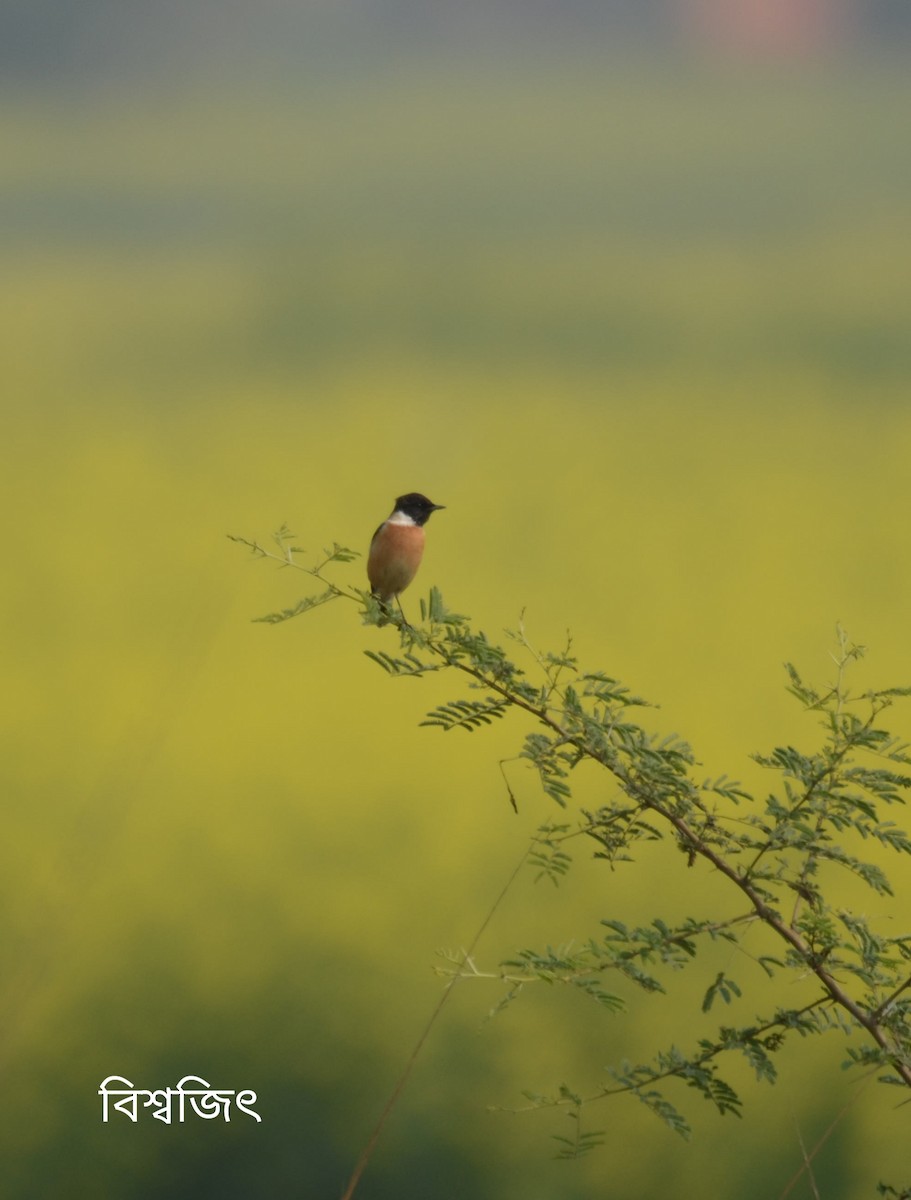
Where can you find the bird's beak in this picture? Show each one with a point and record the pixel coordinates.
(438, 506)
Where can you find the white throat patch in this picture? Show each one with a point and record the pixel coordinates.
(400, 518)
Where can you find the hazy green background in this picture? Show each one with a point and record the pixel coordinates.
(641, 321)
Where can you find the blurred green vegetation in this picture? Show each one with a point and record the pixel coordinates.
(645, 332)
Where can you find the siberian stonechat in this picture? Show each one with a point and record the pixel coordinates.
(398, 546)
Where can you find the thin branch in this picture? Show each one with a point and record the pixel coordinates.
(833, 1125)
(367, 1152)
(783, 1022)
(807, 1164)
(880, 1011)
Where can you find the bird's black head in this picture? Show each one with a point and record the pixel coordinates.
(417, 507)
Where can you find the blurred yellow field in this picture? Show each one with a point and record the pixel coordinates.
(647, 337)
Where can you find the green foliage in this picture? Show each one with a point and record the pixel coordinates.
(582, 1141)
(467, 714)
(283, 539)
(409, 665)
(778, 856)
(726, 988)
(547, 853)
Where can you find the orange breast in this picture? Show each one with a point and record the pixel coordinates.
(395, 555)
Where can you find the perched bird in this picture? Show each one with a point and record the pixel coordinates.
(398, 546)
